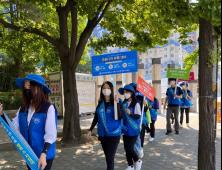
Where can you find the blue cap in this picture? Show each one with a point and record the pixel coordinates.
(127, 87)
(184, 84)
(133, 85)
(35, 78)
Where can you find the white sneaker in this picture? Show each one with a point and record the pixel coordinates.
(139, 165)
(188, 125)
(181, 126)
(130, 168)
(141, 154)
(151, 139)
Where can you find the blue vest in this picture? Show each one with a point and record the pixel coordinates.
(140, 98)
(186, 101)
(111, 123)
(153, 112)
(130, 131)
(35, 132)
(171, 99)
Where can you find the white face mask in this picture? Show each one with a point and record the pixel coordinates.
(127, 95)
(172, 83)
(184, 87)
(106, 92)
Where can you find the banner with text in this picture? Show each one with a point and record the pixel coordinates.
(192, 78)
(20, 143)
(144, 88)
(178, 74)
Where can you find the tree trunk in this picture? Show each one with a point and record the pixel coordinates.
(71, 127)
(206, 155)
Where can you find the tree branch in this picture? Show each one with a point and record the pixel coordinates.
(8, 12)
(88, 31)
(32, 30)
(74, 33)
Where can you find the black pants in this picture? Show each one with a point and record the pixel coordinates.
(187, 111)
(131, 155)
(142, 134)
(49, 165)
(110, 152)
(152, 129)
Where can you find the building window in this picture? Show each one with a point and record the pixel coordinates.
(155, 51)
(172, 48)
(151, 58)
(165, 49)
(147, 72)
(165, 69)
(172, 55)
(165, 56)
(151, 51)
(141, 61)
(150, 71)
(147, 60)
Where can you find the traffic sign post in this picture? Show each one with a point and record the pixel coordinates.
(116, 63)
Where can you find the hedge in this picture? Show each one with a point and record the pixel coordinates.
(11, 100)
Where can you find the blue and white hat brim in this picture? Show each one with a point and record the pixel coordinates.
(20, 83)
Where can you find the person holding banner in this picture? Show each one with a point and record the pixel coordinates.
(154, 107)
(109, 129)
(187, 103)
(37, 119)
(174, 103)
(131, 120)
(140, 141)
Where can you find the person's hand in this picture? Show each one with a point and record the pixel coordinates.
(1, 108)
(42, 161)
(150, 107)
(116, 99)
(89, 134)
(187, 95)
(128, 111)
(144, 102)
(175, 96)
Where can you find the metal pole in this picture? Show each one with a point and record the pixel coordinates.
(114, 93)
(141, 121)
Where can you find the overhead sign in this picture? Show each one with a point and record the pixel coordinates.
(20, 143)
(178, 74)
(144, 88)
(116, 63)
(192, 78)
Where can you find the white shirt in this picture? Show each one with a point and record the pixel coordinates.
(137, 109)
(50, 125)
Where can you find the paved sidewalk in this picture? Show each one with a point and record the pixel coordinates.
(166, 152)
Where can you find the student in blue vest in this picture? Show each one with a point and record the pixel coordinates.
(174, 103)
(131, 121)
(140, 141)
(187, 103)
(154, 107)
(109, 129)
(37, 119)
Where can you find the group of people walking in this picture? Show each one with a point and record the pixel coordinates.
(37, 119)
(130, 117)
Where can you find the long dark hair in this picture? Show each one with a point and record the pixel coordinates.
(102, 97)
(38, 100)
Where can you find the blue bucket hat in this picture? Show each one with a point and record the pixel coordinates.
(133, 85)
(35, 78)
(184, 84)
(127, 87)
(169, 80)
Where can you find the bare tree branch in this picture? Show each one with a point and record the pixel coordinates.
(88, 31)
(8, 12)
(74, 34)
(31, 30)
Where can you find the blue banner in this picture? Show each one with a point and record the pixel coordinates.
(115, 63)
(20, 143)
